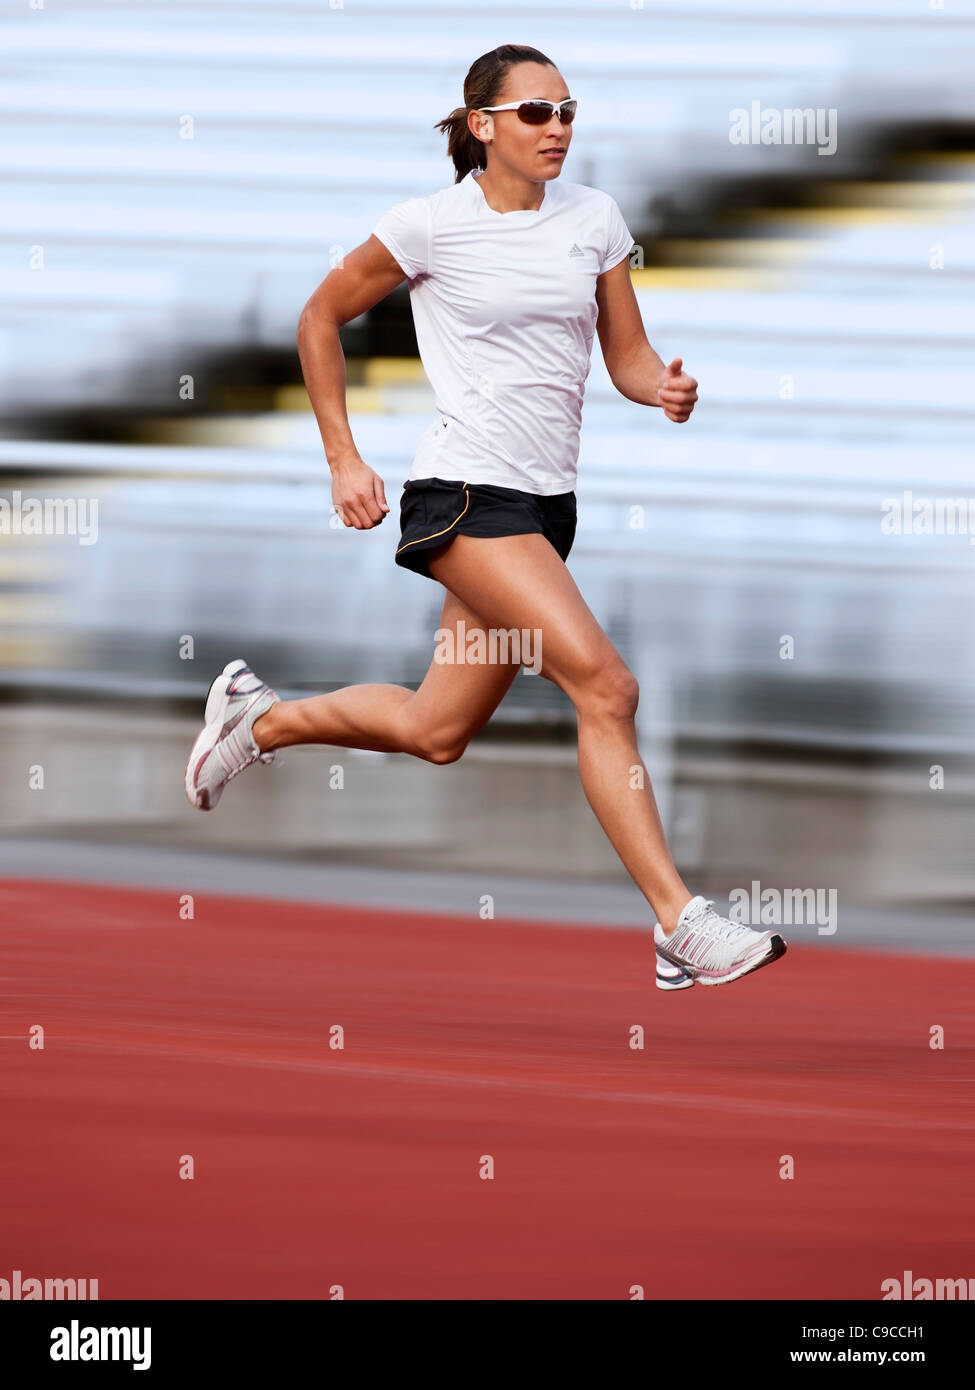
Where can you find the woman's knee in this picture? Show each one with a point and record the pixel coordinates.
(610, 691)
(435, 743)
(440, 751)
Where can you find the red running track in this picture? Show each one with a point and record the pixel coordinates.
(613, 1167)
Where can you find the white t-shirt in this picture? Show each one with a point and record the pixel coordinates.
(504, 306)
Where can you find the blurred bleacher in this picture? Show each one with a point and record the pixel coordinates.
(187, 170)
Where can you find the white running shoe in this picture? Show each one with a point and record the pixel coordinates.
(226, 746)
(714, 950)
(672, 976)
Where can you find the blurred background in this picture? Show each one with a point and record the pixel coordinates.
(178, 179)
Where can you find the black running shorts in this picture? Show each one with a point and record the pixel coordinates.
(434, 510)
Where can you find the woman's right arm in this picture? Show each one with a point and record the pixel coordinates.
(366, 276)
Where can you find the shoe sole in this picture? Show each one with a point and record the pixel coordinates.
(214, 715)
(776, 949)
(669, 986)
(683, 981)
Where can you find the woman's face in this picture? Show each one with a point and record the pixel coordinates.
(515, 144)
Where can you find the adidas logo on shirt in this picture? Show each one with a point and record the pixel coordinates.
(575, 251)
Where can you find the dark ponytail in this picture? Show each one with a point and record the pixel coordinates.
(482, 86)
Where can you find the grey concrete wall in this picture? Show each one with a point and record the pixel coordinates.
(880, 837)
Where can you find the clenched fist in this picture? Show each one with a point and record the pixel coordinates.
(358, 495)
(677, 392)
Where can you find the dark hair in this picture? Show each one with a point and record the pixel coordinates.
(482, 86)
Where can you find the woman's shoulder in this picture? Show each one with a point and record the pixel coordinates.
(583, 193)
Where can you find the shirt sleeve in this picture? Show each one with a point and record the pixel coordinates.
(405, 232)
(618, 239)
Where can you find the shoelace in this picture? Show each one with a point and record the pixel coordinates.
(244, 758)
(713, 925)
(232, 755)
(268, 756)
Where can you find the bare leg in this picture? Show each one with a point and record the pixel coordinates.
(435, 722)
(521, 582)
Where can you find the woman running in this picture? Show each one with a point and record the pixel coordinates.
(510, 271)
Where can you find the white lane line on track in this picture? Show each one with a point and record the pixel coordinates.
(554, 1090)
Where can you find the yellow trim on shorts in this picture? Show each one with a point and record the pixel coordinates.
(457, 518)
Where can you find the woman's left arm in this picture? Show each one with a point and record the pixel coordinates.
(634, 368)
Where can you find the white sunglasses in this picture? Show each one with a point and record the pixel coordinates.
(537, 112)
